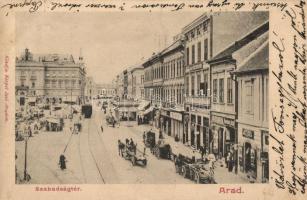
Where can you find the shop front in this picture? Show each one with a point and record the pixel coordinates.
(223, 138)
(165, 122)
(176, 125)
(253, 154)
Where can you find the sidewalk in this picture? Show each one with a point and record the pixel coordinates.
(222, 176)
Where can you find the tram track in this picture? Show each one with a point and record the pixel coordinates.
(81, 160)
(91, 152)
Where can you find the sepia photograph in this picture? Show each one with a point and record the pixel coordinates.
(142, 98)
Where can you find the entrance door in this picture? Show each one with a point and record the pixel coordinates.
(220, 142)
(247, 156)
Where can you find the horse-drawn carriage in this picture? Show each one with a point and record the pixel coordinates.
(160, 149)
(134, 155)
(199, 171)
(110, 120)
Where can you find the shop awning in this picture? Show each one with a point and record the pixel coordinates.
(150, 109)
(53, 120)
(143, 105)
(127, 109)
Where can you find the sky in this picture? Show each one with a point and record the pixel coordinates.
(109, 42)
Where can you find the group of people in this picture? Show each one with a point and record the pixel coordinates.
(128, 144)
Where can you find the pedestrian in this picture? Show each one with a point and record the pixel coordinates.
(30, 131)
(227, 159)
(62, 162)
(202, 151)
(144, 137)
(131, 142)
(120, 148)
(101, 129)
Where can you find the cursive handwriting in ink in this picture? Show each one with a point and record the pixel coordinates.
(32, 4)
(279, 173)
(299, 25)
(70, 6)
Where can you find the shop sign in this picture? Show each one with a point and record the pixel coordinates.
(229, 122)
(176, 116)
(217, 119)
(248, 134)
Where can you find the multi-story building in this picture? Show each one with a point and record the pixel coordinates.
(205, 38)
(90, 89)
(49, 78)
(153, 88)
(119, 85)
(137, 83)
(171, 114)
(253, 110)
(105, 90)
(224, 106)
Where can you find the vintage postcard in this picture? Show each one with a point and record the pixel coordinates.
(153, 99)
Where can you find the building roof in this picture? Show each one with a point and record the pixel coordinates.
(259, 60)
(175, 45)
(227, 53)
(195, 22)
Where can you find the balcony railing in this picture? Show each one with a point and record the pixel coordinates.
(198, 101)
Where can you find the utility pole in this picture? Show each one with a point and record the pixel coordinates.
(25, 176)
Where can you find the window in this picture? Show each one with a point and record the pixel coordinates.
(229, 90)
(187, 56)
(33, 84)
(192, 85)
(249, 97)
(206, 49)
(198, 84)
(206, 84)
(221, 90)
(215, 90)
(187, 86)
(198, 51)
(193, 54)
(53, 83)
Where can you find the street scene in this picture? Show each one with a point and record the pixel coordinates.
(193, 109)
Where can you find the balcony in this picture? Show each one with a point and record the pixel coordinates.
(33, 78)
(198, 101)
(23, 77)
(194, 67)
